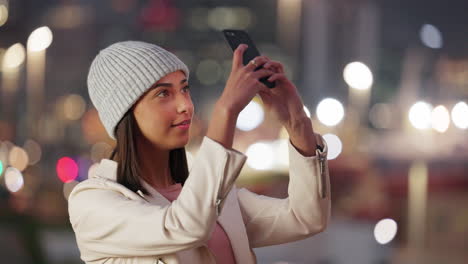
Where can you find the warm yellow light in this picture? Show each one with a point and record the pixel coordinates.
(3, 14)
(14, 56)
(18, 158)
(40, 39)
(74, 107)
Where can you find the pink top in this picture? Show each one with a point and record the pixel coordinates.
(219, 242)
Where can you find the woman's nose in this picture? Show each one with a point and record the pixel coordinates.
(185, 105)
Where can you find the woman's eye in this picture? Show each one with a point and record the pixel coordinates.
(162, 92)
(187, 88)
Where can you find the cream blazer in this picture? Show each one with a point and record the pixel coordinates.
(113, 224)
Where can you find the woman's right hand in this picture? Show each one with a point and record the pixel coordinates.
(243, 82)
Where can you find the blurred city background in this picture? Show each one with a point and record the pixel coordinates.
(385, 83)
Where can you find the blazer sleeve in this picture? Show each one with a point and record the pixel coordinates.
(107, 223)
(306, 210)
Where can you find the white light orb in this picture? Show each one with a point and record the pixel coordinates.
(420, 115)
(13, 179)
(334, 145)
(330, 111)
(431, 36)
(358, 76)
(250, 117)
(385, 230)
(40, 39)
(460, 115)
(260, 156)
(440, 119)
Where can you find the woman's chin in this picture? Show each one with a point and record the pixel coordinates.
(181, 143)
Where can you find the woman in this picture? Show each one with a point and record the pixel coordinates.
(143, 205)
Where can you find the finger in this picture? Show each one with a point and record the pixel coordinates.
(238, 55)
(259, 61)
(262, 73)
(274, 65)
(276, 76)
(264, 90)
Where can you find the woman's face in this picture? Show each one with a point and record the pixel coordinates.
(165, 104)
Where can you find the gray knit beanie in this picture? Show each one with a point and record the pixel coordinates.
(124, 71)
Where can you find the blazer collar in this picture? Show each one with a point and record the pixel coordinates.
(106, 169)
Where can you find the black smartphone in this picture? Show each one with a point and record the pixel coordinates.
(236, 37)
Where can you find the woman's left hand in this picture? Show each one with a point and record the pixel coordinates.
(283, 99)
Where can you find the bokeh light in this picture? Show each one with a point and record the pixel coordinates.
(440, 119)
(385, 230)
(250, 117)
(74, 107)
(357, 75)
(13, 179)
(14, 56)
(334, 145)
(67, 169)
(3, 14)
(220, 18)
(330, 111)
(260, 156)
(1, 168)
(420, 115)
(40, 39)
(34, 151)
(209, 72)
(431, 36)
(18, 158)
(460, 115)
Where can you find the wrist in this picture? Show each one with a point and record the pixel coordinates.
(225, 109)
(297, 121)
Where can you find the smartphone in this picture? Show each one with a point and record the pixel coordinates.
(236, 37)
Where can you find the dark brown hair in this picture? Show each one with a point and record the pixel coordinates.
(126, 155)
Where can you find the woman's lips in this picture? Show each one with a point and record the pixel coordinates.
(186, 126)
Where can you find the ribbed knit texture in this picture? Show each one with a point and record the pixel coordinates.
(123, 72)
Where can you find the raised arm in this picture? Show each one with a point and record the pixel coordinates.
(306, 210)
